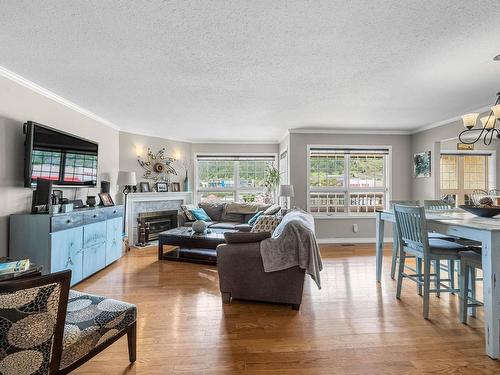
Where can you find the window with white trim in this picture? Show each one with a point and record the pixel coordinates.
(344, 181)
(232, 178)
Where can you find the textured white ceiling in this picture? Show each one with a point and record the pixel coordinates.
(248, 70)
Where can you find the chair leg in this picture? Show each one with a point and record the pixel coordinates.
(418, 268)
(427, 282)
(437, 280)
(132, 342)
(451, 274)
(395, 248)
(402, 257)
(464, 292)
(472, 287)
(296, 306)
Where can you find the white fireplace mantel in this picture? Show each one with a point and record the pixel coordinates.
(154, 201)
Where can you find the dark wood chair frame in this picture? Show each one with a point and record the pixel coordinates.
(63, 278)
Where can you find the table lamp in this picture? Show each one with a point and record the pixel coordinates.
(127, 180)
(286, 191)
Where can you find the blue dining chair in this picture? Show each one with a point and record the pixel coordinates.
(470, 261)
(395, 247)
(449, 267)
(414, 240)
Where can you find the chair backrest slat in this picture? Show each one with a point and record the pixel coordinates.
(412, 227)
(404, 203)
(436, 204)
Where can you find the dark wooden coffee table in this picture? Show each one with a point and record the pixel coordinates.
(191, 246)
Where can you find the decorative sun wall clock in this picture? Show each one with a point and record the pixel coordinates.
(157, 167)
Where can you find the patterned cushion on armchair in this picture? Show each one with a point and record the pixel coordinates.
(90, 321)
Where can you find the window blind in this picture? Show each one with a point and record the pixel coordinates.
(348, 150)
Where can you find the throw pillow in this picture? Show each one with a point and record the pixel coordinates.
(255, 217)
(200, 214)
(186, 208)
(247, 237)
(266, 223)
(274, 209)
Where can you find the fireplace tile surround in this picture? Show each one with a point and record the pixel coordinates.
(150, 202)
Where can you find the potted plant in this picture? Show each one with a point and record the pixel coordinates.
(271, 182)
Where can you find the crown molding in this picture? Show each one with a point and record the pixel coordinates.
(236, 142)
(447, 121)
(349, 131)
(53, 96)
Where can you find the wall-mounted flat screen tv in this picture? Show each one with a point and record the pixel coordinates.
(57, 156)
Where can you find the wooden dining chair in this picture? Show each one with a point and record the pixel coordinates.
(448, 267)
(436, 205)
(414, 240)
(470, 261)
(395, 245)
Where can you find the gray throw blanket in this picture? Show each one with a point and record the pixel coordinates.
(293, 243)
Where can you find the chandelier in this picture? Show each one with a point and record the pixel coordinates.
(486, 130)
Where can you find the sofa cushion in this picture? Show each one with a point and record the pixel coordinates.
(244, 208)
(242, 237)
(186, 208)
(272, 210)
(243, 227)
(225, 225)
(213, 209)
(266, 223)
(232, 217)
(90, 321)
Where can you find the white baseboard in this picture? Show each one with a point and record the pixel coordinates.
(351, 240)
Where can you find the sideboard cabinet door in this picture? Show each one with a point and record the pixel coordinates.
(66, 252)
(114, 240)
(94, 259)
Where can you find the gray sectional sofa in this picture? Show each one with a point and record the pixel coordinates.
(226, 215)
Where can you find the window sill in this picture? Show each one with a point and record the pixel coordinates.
(371, 215)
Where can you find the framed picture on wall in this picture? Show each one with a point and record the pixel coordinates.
(422, 164)
(161, 187)
(176, 186)
(145, 188)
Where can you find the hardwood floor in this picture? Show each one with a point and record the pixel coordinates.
(352, 326)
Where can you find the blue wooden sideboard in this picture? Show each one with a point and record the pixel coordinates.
(85, 240)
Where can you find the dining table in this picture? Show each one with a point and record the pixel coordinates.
(459, 223)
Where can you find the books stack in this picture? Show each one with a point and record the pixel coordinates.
(14, 267)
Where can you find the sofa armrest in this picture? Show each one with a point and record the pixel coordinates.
(181, 219)
(241, 275)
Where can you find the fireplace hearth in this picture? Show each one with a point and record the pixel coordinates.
(150, 224)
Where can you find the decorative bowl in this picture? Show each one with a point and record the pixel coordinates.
(199, 226)
(482, 211)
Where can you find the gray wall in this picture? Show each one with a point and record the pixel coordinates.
(430, 140)
(19, 104)
(175, 149)
(333, 228)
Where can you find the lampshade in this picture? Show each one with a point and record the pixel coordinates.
(496, 110)
(286, 191)
(488, 121)
(126, 178)
(470, 120)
